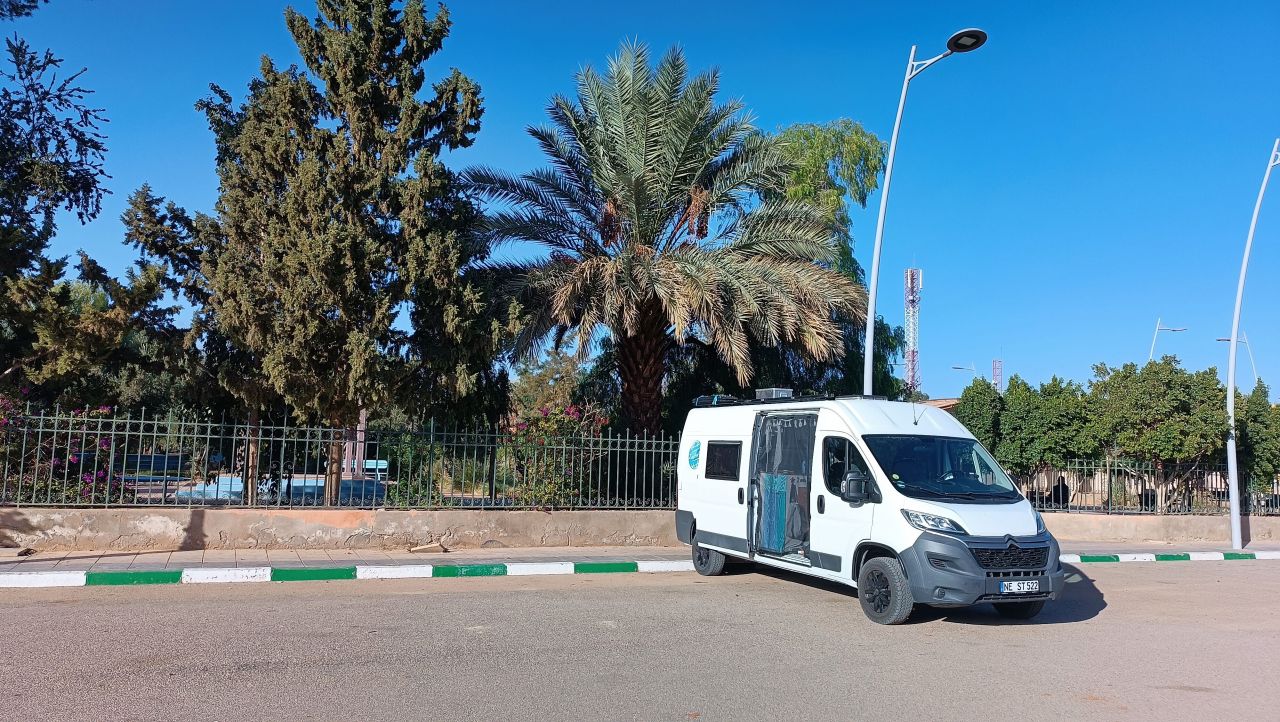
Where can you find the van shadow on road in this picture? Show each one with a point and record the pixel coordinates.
(1082, 600)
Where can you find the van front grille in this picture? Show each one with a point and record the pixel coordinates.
(1012, 557)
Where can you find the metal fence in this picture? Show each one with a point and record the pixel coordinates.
(1131, 487)
(87, 458)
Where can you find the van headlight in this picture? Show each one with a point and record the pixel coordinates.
(1040, 527)
(932, 522)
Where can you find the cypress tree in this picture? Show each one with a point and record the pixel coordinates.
(337, 216)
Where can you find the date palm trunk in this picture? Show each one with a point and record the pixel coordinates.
(641, 368)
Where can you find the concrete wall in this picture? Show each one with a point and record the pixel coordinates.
(1152, 528)
(161, 529)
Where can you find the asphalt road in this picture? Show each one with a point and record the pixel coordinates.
(1131, 641)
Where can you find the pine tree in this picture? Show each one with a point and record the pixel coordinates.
(337, 216)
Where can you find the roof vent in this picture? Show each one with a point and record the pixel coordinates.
(774, 393)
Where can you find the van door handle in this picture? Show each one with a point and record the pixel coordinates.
(741, 498)
(822, 504)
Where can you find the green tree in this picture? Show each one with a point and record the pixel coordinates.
(979, 410)
(1161, 414)
(550, 382)
(835, 166)
(336, 215)
(1258, 438)
(10, 9)
(655, 234)
(1041, 428)
(1018, 448)
(1061, 420)
(188, 249)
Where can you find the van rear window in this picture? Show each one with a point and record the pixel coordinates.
(723, 460)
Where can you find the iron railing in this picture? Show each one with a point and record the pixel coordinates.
(1117, 486)
(92, 458)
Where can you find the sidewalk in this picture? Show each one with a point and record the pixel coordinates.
(92, 568)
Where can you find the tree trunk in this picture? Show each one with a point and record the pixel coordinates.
(641, 368)
(254, 433)
(333, 470)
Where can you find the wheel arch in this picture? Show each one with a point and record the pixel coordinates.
(870, 550)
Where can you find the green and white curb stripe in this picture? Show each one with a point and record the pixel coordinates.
(1168, 557)
(220, 575)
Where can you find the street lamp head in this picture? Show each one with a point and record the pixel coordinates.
(1175, 330)
(966, 40)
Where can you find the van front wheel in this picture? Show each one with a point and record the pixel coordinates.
(707, 562)
(883, 591)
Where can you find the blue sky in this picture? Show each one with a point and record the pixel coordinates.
(1090, 169)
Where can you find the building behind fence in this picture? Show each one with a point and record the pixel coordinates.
(1118, 486)
(94, 458)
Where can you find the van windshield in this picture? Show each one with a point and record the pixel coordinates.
(939, 467)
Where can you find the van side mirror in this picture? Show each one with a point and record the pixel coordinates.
(853, 488)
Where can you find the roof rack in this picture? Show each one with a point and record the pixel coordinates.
(703, 402)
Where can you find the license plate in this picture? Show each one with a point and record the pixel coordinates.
(1021, 587)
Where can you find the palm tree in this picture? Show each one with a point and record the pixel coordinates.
(661, 221)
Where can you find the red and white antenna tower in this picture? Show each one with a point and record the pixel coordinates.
(914, 282)
(997, 374)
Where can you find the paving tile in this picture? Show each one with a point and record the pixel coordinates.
(114, 562)
(282, 556)
(219, 558)
(151, 560)
(182, 559)
(33, 567)
(251, 558)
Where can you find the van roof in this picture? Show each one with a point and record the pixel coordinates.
(864, 415)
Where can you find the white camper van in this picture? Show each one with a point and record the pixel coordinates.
(896, 499)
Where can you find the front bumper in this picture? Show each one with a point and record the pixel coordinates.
(943, 570)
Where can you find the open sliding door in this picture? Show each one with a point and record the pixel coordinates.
(781, 475)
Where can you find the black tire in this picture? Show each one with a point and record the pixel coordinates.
(707, 562)
(883, 591)
(1019, 610)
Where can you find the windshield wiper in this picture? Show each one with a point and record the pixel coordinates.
(921, 489)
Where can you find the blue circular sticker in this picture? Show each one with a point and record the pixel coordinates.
(695, 453)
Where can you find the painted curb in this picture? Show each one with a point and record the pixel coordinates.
(408, 571)
(231, 575)
(128, 578)
(42, 579)
(226, 575)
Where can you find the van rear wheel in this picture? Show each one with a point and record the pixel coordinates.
(883, 591)
(1019, 610)
(707, 562)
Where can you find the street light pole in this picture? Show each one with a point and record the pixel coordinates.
(1233, 471)
(1244, 339)
(961, 42)
(1159, 328)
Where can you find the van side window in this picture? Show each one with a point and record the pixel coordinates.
(723, 460)
(839, 455)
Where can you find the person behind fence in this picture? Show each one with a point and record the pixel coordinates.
(1060, 495)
